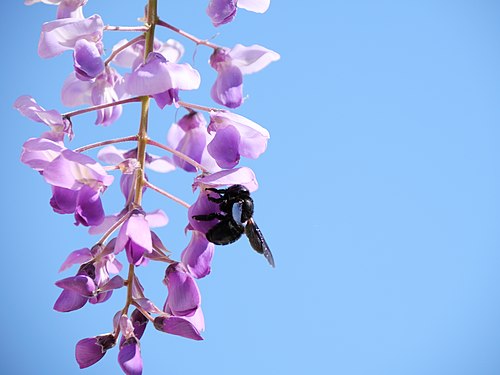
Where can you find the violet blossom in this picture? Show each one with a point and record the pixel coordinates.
(62, 34)
(89, 351)
(92, 283)
(133, 56)
(106, 87)
(161, 79)
(135, 238)
(203, 206)
(235, 136)
(59, 126)
(231, 65)
(66, 8)
(224, 11)
(190, 137)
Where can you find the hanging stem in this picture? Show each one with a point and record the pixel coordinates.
(126, 45)
(142, 135)
(100, 106)
(180, 155)
(187, 35)
(108, 142)
(198, 107)
(126, 28)
(167, 194)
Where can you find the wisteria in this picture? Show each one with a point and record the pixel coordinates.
(145, 70)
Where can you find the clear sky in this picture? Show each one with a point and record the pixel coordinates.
(379, 196)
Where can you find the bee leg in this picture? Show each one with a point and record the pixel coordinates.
(209, 217)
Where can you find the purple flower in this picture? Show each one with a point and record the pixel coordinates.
(87, 60)
(38, 153)
(129, 357)
(231, 65)
(184, 297)
(91, 283)
(62, 34)
(59, 126)
(203, 206)
(106, 88)
(90, 350)
(197, 256)
(177, 325)
(235, 136)
(114, 156)
(84, 203)
(133, 56)
(73, 170)
(66, 8)
(135, 238)
(223, 11)
(190, 137)
(158, 77)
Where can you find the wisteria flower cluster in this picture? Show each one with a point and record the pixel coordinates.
(147, 70)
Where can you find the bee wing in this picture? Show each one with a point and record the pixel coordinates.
(257, 241)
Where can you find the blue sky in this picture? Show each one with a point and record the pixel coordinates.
(379, 196)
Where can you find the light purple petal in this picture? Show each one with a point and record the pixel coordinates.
(72, 170)
(62, 34)
(183, 293)
(228, 87)
(257, 6)
(172, 50)
(69, 301)
(87, 60)
(135, 236)
(129, 357)
(80, 284)
(197, 256)
(253, 58)
(63, 201)
(156, 219)
(76, 257)
(160, 164)
(253, 136)
(179, 326)
(76, 92)
(38, 153)
(89, 210)
(225, 146)
(28, 107)
(115, 283)
(157, 75)
(221, 11)
(70, 8)
(238, 176)
(104, 226)
(90, 350)
(111, 155)
(192, 144)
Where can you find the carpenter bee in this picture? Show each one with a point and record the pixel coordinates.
(235, 218)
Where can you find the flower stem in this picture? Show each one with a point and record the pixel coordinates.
(142, 135)
(101, 106)
(114, 227)
(126, 28)
(126, 45)
(187, 35)
(179, 155)
(108, 142)
(198, 107)
(167, 194)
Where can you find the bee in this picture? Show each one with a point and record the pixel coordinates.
(235, 218)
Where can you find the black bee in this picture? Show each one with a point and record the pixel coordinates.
(235, 218)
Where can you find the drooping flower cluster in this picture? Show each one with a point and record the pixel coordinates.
(140, 70)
